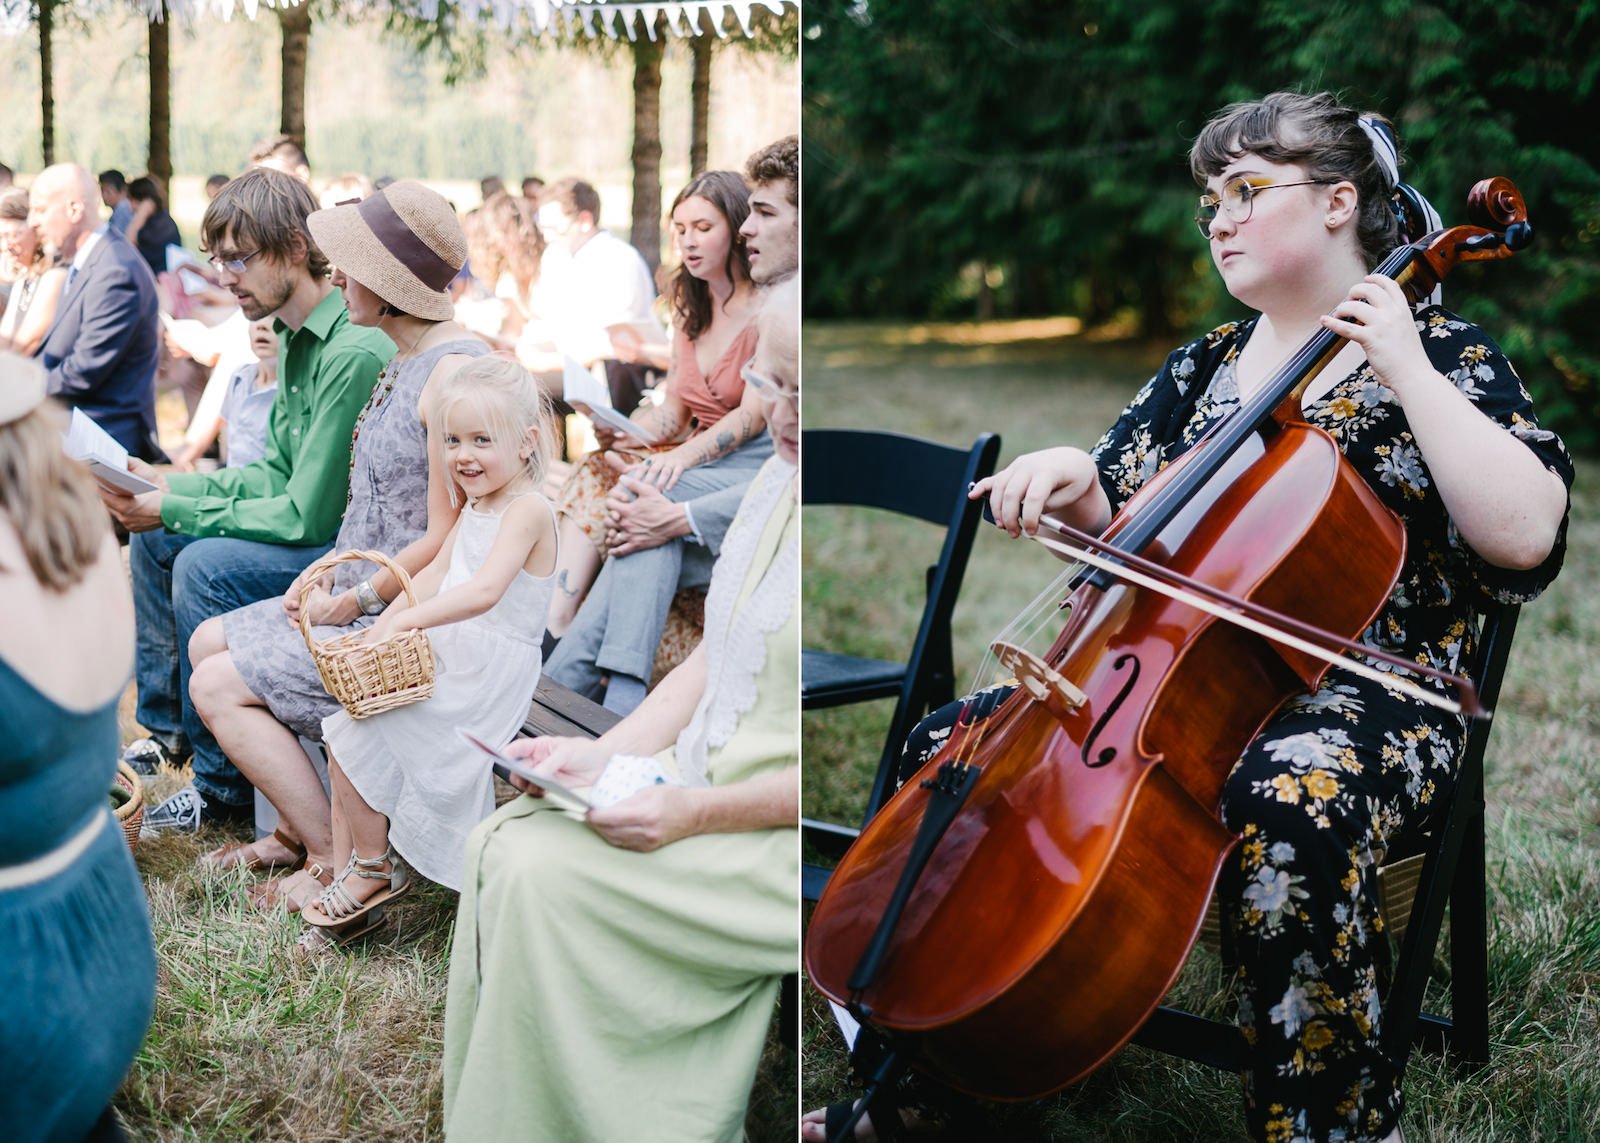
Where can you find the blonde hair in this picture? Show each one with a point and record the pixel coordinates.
(49, 498)
(512, 403)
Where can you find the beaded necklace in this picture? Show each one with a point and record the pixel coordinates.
(380, 391)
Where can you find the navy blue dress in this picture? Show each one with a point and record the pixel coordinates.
(77, 961)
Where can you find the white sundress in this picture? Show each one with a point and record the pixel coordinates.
(410, 763)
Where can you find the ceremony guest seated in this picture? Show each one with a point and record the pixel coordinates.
(255, 683)
(245, 408)
(406, 783)
(713, 438)
(101, 351)
(219, 349)
(151, 228)
(36, 287)
(617, 634)
(114, 194)
(343, 188)
(281, 153)
(639, 948)
(207, 543)
(78, 978)
(771, 231)
(590, 283)
(505, 246)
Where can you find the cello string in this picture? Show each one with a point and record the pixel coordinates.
(1044, 610)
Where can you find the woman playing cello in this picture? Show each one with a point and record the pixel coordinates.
(1433, 417)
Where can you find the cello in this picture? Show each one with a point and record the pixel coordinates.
(1012, 915)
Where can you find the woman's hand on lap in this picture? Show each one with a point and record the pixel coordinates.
(661, 470)
(654, 817)
(570, 761)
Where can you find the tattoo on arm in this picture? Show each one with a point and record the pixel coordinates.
(566, 589)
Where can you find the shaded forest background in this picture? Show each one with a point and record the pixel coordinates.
(1016, 158)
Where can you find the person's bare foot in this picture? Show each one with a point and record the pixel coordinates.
(814, 1125)
(292, 891)
(275, 851)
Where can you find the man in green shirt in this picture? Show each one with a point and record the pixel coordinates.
(205, 543)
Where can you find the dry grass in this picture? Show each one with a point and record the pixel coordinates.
(861, 591)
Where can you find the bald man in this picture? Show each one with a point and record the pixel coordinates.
(101, 351)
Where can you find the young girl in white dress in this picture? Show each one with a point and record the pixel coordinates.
(405, 783)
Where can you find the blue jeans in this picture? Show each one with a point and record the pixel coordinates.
(178, 583)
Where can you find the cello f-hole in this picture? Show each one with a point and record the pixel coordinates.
(1109, 754)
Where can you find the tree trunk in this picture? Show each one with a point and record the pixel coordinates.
(295, 24)
(646, 235)
(160, 158)
(47, 72)
(700, 99)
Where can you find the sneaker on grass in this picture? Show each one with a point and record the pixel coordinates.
(187, 810)
(147, 755)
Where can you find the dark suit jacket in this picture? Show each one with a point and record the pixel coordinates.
(103, 347)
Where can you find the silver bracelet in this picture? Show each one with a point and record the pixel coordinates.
(368, 599)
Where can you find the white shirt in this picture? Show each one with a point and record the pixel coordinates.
(578, 295)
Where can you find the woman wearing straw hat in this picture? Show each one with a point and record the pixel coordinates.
(78, 980)
(394, 255)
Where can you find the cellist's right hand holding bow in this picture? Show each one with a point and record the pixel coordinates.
(1060, 481)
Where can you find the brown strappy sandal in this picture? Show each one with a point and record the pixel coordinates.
(244, 855)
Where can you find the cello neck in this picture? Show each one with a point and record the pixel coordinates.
(1266, 405)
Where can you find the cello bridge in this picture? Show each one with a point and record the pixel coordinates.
(1036, 676)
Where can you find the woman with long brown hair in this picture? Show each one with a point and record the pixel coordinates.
(716, 438)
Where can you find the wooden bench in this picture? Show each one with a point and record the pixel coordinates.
(559, 711)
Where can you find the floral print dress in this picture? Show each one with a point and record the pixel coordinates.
(1339, 777)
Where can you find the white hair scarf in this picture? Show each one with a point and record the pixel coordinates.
(1417, 216)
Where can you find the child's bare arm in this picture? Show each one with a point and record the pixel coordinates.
(525, 526)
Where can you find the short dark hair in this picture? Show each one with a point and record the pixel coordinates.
(113, 179)
(144, 189)
(780, 160)
(279, 147)
(217, 181)
(573, 196)
(265, 209)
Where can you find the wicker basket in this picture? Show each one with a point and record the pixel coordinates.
(368, 678)
(130, 814)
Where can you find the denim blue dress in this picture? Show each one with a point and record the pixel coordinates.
(77, 962)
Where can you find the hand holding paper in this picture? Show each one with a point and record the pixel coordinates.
(520, 773)
(582, 390)
(107, 460)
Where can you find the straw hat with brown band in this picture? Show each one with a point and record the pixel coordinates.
(403, 243)
(22, 387)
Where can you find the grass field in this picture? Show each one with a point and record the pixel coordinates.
(862, 593)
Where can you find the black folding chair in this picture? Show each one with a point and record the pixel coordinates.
(1453, 873)
(928, 481)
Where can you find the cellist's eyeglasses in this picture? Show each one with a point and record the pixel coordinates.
(1236, 199)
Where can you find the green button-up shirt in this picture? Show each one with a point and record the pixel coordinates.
(296, 493)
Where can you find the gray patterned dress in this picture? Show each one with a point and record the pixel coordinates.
(388, 509)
